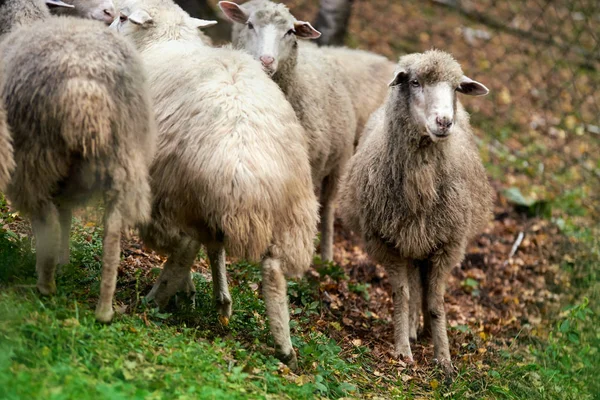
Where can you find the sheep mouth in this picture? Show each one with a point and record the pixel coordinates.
(269, 71)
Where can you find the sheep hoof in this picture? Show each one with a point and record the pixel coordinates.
(47, 288)
(104, 314)
(223, 304)
(405, 355)
(288, 359)
(447, 368)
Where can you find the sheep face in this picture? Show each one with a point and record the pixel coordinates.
(148, 21)
(100, 10)
(427, 84)
(269, 32)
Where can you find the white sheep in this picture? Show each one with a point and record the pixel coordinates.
(417, 192)
(308, 77)
(78, 107)
(100, 10)
(231, 170)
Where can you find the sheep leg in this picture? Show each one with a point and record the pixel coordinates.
(328, 193)
(175, 276)
(65, 216)
(398, 274)
(111, 247)
(46, 228)
(440, 266)
(414, 284)
(424, 272)
(275, 294)
(216, 255)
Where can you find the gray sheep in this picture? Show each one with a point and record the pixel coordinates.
(310, 81)
(78, 107)
(417, 192)
(231, 170)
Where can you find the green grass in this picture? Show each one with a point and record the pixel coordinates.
(51, 348)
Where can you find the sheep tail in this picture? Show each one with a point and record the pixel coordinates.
(87, 109)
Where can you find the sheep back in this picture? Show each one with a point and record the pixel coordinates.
(324, 107)
(79, 110)
(366, 76)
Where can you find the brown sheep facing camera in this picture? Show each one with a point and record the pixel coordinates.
(417, 191)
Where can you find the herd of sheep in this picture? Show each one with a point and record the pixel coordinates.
(240, 149)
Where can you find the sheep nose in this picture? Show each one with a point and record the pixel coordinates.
(109, 15)
(443, 122)
(267, 60)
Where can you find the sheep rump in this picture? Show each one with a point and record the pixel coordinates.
(226, 174)
(79, 111)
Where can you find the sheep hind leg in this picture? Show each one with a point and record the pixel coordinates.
(111, 247)
(275, 295)
(65, 216)
(175, 278)
(398, 274)
(329, 190)
(46, 229)
(216, 255)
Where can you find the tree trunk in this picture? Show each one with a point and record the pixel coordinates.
(219, 33)
(332, 21)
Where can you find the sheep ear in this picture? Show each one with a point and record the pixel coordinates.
(58, 3)
(233, 12)
(304, 30)
(140, 17)
(399, 78)
(471, 88)
(202, 23)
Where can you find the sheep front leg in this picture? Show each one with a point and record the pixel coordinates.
(216, 255)
(111, 248)
(398, 274)
(175, 276)
(414, 284)
(424, 273)
(328, 192)
(275, 294)
(46, 228)
(65, 216)
(440, 266)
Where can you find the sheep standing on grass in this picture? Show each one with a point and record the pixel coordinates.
(417, 191)
(79, 111)
(231, 170)
(308, 77)
(7, 162)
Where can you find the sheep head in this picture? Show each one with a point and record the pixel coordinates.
(427, 84)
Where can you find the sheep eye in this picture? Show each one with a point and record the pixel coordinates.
(290, 32)
(122, 18)
(250, 26)
(415, 83)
